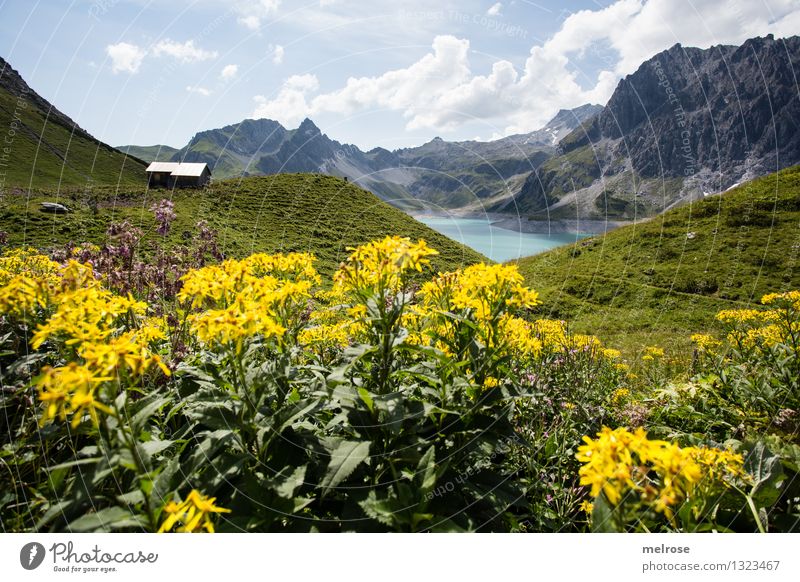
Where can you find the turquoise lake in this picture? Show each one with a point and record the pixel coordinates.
(498, 244)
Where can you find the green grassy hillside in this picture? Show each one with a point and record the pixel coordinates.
(45, 153)
(659, 281)
(288, 212)
(153, 153)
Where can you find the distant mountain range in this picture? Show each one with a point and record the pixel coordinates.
(687, 123)
(44, 148)
(438, 173)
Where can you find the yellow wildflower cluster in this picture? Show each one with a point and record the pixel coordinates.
(381, 266)
(740, 316)
(259, 295)
(789, 299)
(489, 290)
(486, 294)
(192, 514)
(759, 329)
(26, 282)
(78, 313)
(69, 391)
(324, 336)
(334, 324)
(619, 396)
(705, 343)
(620, 463)
(652, 353)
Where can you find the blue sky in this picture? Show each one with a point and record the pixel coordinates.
(375, 73)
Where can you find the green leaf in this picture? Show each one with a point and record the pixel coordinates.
(107, 519)
(292, 482)
(603, 516)
(367, 398)
(768, 476)
(427, 467)
(146, 409)
(344, 459)
(381, 510)
(155, 446)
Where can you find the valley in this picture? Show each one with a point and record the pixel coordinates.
(587, 322)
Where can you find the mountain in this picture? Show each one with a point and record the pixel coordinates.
(286, 212)
(660, 281)
(687, 123)
(565, 121)
(438, 173)
(44, 148)
(153, 153)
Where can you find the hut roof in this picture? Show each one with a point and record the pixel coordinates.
(178, 169)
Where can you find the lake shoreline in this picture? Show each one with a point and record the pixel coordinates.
(523, 225)
(494, 242)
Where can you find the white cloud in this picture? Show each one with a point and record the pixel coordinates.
(253, 12)
(186, 52)
(290, 105)
(229, 72)
(198, 90)
(278, 53)
(441, 91)
(494, 9)
(125, 57)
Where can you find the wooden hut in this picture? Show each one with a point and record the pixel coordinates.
(177, 175)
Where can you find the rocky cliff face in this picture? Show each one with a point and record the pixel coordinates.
(687, 123)
(729, 110)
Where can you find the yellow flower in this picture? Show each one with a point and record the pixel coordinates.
(619, 396)
(491, 382)
(69, 391)
(651, 353)
(719, 464)
(192, 514)
(324, 336)
(241, 320)
(587, 507)
(740, 316)
(126, 352)
(619, 463)
(381, 266)
(788, 299)
(552, 333)
(488, 289)
(27, 282)
(705, 343)
(86, 314)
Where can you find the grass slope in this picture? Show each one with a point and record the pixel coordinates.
(153, 153)
(46, 154)
(284, 212)
(659, 281)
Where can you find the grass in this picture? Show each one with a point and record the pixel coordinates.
(284, 212)
(659, 281)
(153, 153)
(44, 154)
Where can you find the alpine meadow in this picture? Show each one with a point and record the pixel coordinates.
(251, 329)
